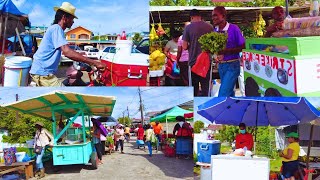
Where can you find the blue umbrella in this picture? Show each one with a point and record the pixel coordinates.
(259, 111)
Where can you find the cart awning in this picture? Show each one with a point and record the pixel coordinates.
(170, 115)
(65, 105)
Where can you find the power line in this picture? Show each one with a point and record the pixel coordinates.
(167, 93)
(169, 102)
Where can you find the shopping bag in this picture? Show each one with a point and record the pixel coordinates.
(202, 65)
(176, 70)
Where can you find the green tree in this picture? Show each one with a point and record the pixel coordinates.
(198, 125)
(137, 38)
(21, 130)
(125, 121)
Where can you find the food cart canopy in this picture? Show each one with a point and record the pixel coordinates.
(237, 15)
(170, 115)
(15, 18)
(65, 105)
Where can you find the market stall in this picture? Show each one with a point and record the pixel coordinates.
(170, 142)
(13, 69)
(76, 146)
(257, 112)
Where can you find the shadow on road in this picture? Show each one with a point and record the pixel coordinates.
(170, 166)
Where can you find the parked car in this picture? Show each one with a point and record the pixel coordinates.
(112, 49)
(143, 46)
(64, 59)
(93, 53)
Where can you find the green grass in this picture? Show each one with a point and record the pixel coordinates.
(275, 164)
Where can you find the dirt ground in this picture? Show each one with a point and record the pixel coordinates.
(134, 164)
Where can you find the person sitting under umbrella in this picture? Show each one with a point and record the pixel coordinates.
(244, 139)
(290, 156)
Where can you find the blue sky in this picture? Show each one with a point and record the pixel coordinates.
(154, 98)
(103, 16)
(200, 100)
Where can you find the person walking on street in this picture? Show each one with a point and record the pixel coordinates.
(149, 136)
(96, 141)
(120, 137)
(127, 133)
(190, 38)
(46, 59)
(158, 130)
(42, 139)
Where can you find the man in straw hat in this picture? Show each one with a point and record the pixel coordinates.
(47, 58)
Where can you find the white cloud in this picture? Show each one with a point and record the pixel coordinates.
(39, 16)
(19, 3)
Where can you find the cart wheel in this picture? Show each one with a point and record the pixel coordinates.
(272, 93)
(93, 160)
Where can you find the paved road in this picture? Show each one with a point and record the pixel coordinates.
(134, 164)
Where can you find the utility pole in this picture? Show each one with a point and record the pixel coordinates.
(128, 111)
(141, 106)
(17, 115)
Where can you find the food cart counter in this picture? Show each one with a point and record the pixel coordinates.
(282, 66)
(236, 167)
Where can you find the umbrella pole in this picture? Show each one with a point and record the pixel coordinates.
(309, 149)
(287, 8)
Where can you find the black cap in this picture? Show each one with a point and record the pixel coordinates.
(242, 125)
(180, 118)
(194, 12)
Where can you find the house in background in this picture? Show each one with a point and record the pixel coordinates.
(79, 33)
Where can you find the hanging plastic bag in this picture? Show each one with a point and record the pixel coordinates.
(160, 30)
(176, 70)
(202, 65)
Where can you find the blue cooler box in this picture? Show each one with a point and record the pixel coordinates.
(184, 146)
(206, 149)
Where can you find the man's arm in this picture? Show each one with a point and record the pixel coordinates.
(71, 54)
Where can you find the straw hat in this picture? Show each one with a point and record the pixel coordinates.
(68, 8)
(39, 123)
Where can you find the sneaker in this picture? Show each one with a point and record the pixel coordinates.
(122, 152)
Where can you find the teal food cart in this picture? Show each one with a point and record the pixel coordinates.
(76, 148)
(282, 66)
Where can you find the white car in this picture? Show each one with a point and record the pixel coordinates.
(93, 53)
(112, 49)
(64, 59)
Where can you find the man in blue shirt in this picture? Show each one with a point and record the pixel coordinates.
(47, 57)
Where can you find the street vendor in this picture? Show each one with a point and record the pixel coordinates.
(290, 156)
(183, 133)
(47, 58)
(278, 16)
(244, 139)
(229, 58)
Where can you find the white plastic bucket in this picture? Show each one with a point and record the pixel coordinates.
(124, 47)
(16, 71)
(20, 156)
(205, 173)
